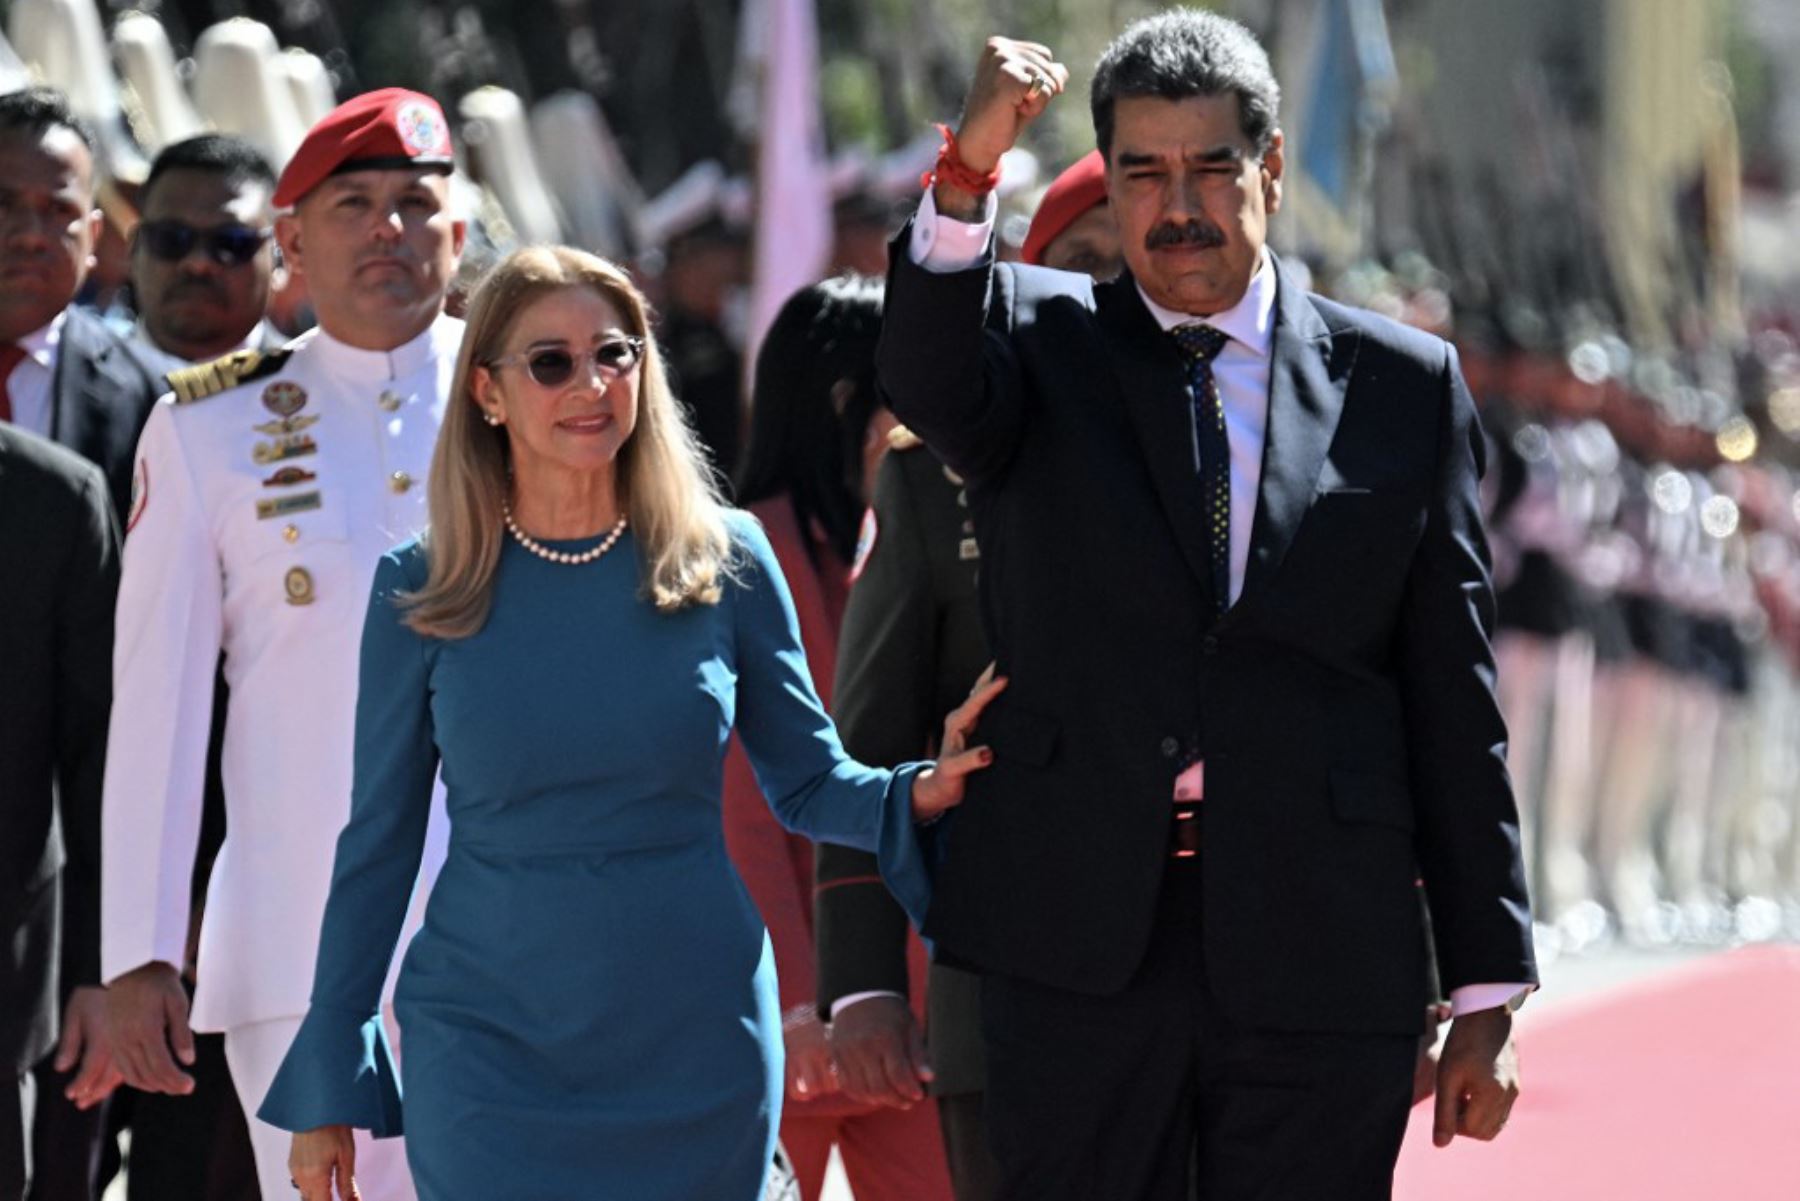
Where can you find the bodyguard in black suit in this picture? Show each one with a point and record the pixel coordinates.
(65, 376)
(60, 547)
(1242, 718)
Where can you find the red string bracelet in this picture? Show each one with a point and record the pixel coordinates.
(952, 170)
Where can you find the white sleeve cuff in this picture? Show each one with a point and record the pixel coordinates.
(943, 245)
(842, 1003)
(1473, 998)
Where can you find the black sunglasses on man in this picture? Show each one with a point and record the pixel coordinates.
(227, 245)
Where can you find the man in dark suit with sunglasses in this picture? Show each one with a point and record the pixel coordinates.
(203, 254)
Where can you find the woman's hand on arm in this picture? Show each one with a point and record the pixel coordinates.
(319, 1159)
(939, 788)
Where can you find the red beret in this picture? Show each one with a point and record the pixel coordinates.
(1074, 192)
(392, 127)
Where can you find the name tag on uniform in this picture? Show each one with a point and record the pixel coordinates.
(281, 506)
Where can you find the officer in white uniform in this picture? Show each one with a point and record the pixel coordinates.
(267, 487)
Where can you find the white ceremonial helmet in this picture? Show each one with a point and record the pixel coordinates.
(63, 44)
(587, 173)
(689, 202)
(147, 61)
(240, 88)
(309, 83)
(498, 145)
(14, 74)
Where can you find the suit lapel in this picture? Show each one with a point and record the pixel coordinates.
(92, 374)
(1154, 382)
(1309, 370)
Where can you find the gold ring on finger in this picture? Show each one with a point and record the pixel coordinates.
(1038, 85)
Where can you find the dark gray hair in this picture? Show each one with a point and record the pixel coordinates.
(1187, 52)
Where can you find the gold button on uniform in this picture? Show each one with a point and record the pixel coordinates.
(389, 401)
(400, 481)
(291, 533)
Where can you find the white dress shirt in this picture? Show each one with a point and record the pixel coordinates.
(29, 385)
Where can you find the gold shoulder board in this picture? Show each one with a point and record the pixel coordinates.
(222, 374)
(901, 438)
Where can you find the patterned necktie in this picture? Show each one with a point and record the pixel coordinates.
(10, 357)
(1200, 344)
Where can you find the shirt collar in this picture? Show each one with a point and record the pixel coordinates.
(440, 338)
(1250, 322)
(40, 344)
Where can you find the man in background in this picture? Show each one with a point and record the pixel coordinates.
(203, 253)
(63, 374)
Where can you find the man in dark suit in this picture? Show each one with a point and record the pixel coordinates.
(63, 374)
(1234, 571)
(61, 542)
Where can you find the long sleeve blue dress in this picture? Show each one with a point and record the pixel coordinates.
(590, 1009)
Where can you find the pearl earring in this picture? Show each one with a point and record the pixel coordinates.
(490, 418)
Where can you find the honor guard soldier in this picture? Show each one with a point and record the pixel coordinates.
(266, 489)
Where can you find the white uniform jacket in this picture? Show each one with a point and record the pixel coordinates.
(258, 514)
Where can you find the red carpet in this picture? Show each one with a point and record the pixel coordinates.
(1682, 1088)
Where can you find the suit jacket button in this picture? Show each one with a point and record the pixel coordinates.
(1209, 645)
(1171, 747)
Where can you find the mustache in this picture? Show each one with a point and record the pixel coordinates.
(1202, 234)
(389, 255)
(194, 285)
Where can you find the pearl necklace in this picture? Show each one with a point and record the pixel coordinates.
(560, 556)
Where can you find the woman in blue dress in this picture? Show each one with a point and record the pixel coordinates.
(589, 1010)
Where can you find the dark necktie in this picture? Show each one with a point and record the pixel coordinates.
(10, 357)
(1200, 344)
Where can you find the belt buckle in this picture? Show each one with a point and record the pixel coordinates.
(1185, 834)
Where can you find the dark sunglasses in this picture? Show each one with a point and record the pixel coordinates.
(226, 245)
(554, 366)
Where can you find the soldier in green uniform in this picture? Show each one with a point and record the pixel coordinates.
(910, 649)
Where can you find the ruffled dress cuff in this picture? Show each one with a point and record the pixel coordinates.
(903, 846)
(339, 1072)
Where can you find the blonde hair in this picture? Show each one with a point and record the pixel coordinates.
(663, 481)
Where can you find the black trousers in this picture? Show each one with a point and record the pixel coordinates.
(1153, 1095)
(974, 1175)
(76, 1151)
